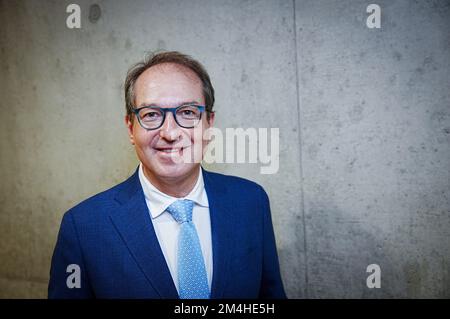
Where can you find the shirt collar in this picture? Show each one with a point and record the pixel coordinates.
(158, 201)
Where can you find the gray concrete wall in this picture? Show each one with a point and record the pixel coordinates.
(364, 119)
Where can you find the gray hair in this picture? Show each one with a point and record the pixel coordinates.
(168, 57)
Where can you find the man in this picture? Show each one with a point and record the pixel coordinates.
(171, 230)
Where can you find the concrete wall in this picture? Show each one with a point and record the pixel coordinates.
(364, 119)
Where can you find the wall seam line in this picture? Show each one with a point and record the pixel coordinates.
(302, 198)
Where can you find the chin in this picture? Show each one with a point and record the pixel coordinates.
(174, 170)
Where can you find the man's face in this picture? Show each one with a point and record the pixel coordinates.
(166, 152)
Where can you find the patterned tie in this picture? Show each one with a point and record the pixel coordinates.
(192, 280)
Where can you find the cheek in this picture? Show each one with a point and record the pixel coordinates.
(196, 135)
(199, 133)
(143, 139)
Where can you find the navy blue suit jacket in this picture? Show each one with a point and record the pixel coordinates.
(110, 236)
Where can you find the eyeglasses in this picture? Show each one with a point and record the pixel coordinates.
(186, 116)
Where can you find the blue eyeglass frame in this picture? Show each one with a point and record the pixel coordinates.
(172, 110)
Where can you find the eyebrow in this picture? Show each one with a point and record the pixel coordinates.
(159, 105)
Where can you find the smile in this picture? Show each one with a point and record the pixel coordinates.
(170, 150)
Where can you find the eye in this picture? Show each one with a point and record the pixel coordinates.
(150, 115)
(188, 112)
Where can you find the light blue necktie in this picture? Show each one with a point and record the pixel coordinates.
(192, 280)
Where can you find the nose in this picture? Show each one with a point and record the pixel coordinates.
(170, 130)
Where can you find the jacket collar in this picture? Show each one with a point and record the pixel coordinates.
(133, 222)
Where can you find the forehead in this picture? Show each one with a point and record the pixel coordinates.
(168, 84)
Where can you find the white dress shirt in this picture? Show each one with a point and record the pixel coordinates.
(167, 229)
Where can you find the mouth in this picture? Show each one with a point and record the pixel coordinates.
(176, 155)
(170, 150)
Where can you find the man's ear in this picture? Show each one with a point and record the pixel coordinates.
(129, 124)
(211, 119)
(210, 125)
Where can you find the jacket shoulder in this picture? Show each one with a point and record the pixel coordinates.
(100, 202)
(235, 182)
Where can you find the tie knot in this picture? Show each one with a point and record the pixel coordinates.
(181, 210)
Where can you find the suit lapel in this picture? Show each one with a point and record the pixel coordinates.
(132, 221)
(222, 228)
